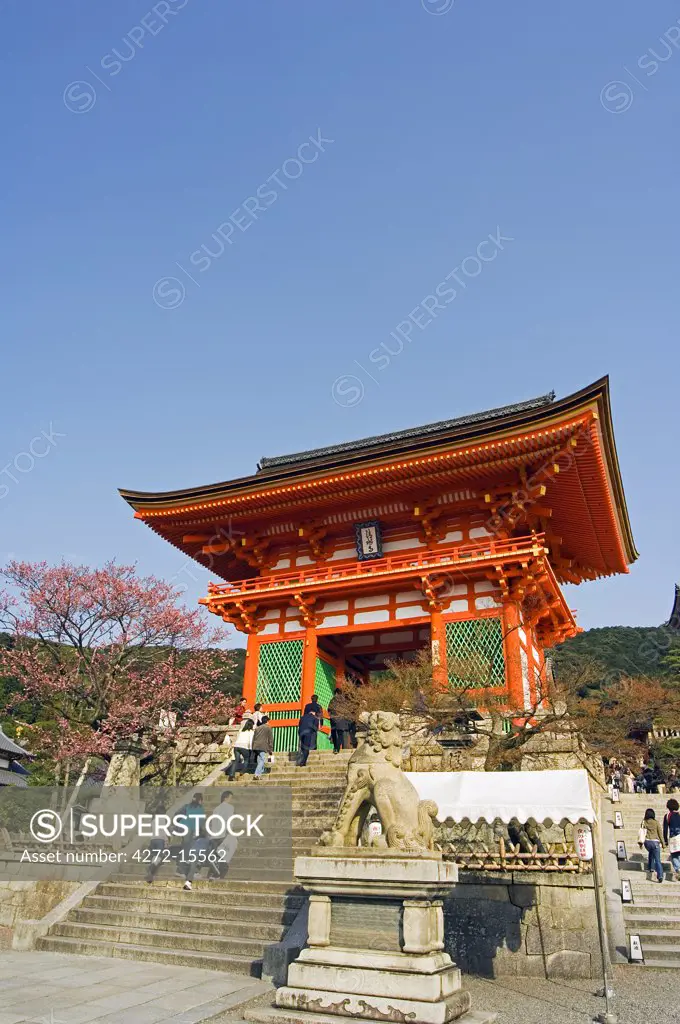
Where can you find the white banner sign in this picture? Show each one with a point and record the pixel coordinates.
(583, 840)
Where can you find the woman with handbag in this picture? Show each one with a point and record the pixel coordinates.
(651, 838)
(243, 744)
(671, 835)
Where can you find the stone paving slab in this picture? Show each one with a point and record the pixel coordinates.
(642, 996)
(55, 988)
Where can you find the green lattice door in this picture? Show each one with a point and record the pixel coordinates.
(474, 652)
(279, 681)
(324, 688)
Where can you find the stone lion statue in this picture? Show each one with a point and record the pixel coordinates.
(375, 779)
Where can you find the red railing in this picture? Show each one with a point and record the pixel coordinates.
(488, 550)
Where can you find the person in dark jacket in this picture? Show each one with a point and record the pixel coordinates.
(340, 723)
(263, 745)
(671, 831)
(307, 730)
(313, 707)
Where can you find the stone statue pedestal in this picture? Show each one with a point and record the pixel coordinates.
(375, 948)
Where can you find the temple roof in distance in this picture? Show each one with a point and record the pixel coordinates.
(10, 778)
(8, 746)
(367, 443)
(674, 621)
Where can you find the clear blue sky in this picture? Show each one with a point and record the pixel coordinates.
(445, 127)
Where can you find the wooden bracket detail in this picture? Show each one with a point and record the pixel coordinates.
(306, 607)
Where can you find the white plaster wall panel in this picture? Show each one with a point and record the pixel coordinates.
(292, 612)
(283, 563)
(409, 611)
(455, 590)
(271, 627)
(273, 613)
(403, 545)
(482, 603)
(451, 536)
(483, 586)
(526, 689)
(536, 654)
(404, 636)
(343, 553)
(335, 606)
(372, 601)
(334, 620)
(304, 560)
(457, 606)
(408, 595)
(379, 615)
(479, 531)
(538, 685)
(361, 641)
(292, 627)
(522, 635)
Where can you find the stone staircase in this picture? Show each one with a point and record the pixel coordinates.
(222, 924)
(655, 913)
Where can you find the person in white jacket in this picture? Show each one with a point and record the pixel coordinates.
(243, 744)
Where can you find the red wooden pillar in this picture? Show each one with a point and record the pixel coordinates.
(340, 669)
(251, 669)
(308, 666)
(438, 642)
(513, 661)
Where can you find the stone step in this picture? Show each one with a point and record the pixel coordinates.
(672, 963)
(218, 896)
(664, 921)
(660, 950)
(303, 813)
(280, 873)
(174, 924)
(286, 779)
(277, 913)
(245, 874)
(141, 936)
(234, 963)
(663, 900)
(213, 890)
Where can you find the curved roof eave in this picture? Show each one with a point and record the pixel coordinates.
(316, 462)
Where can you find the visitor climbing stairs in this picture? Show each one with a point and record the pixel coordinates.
(654, 914)
(223, 924)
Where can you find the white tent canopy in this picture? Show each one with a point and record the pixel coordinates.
(554, 796)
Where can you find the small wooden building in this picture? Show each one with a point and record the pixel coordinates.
(12, 768)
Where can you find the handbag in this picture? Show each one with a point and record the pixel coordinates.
(642, 835)
(674, 844)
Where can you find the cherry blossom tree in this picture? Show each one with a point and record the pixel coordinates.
(104, 655)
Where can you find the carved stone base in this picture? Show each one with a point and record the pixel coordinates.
(373, 1007)
(375, 948)
(277, 1015)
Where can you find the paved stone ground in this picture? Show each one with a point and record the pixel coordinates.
(642, 996)
(51, 988)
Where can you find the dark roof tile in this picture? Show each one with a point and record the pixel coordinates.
(411, 433)
(10, 747)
